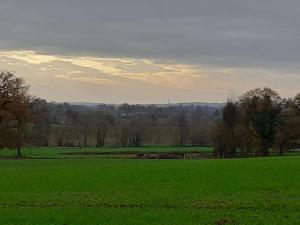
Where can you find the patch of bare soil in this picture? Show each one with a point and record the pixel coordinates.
(224, 221)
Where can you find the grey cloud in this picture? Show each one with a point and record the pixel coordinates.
(228, 32)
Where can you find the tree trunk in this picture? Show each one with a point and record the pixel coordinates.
(100, 137)
(85, 138)
(181, 141)
(233, 151)
(281, 150)
(19, 154)
(265, 150)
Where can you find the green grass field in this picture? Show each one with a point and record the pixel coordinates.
(59, 153)
(55, 152)
(159, 192)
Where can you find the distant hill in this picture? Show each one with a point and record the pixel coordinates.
(208, 104)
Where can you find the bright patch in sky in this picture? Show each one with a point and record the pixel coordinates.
(135, 80)
(149, 51)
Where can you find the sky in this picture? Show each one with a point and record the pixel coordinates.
(151, 51)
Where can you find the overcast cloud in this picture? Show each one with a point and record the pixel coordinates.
(260, 34)
(230, 32)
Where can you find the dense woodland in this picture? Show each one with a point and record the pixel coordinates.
(253, 123)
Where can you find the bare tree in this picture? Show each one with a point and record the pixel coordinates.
(182, 130)
(231, 119)
(39, 130)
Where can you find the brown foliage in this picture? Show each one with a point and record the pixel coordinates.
(14, 110)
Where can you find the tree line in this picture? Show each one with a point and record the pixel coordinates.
(30, 121)
(251, 124)
(256, 122)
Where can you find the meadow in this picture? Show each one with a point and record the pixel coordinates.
(60, 152)
(112, 152)
(167, 192)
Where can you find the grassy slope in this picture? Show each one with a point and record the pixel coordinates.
(106, 191)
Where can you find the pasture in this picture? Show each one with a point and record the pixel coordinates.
(60, 152)
(167, 192)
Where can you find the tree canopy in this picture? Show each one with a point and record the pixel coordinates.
(14, 110)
